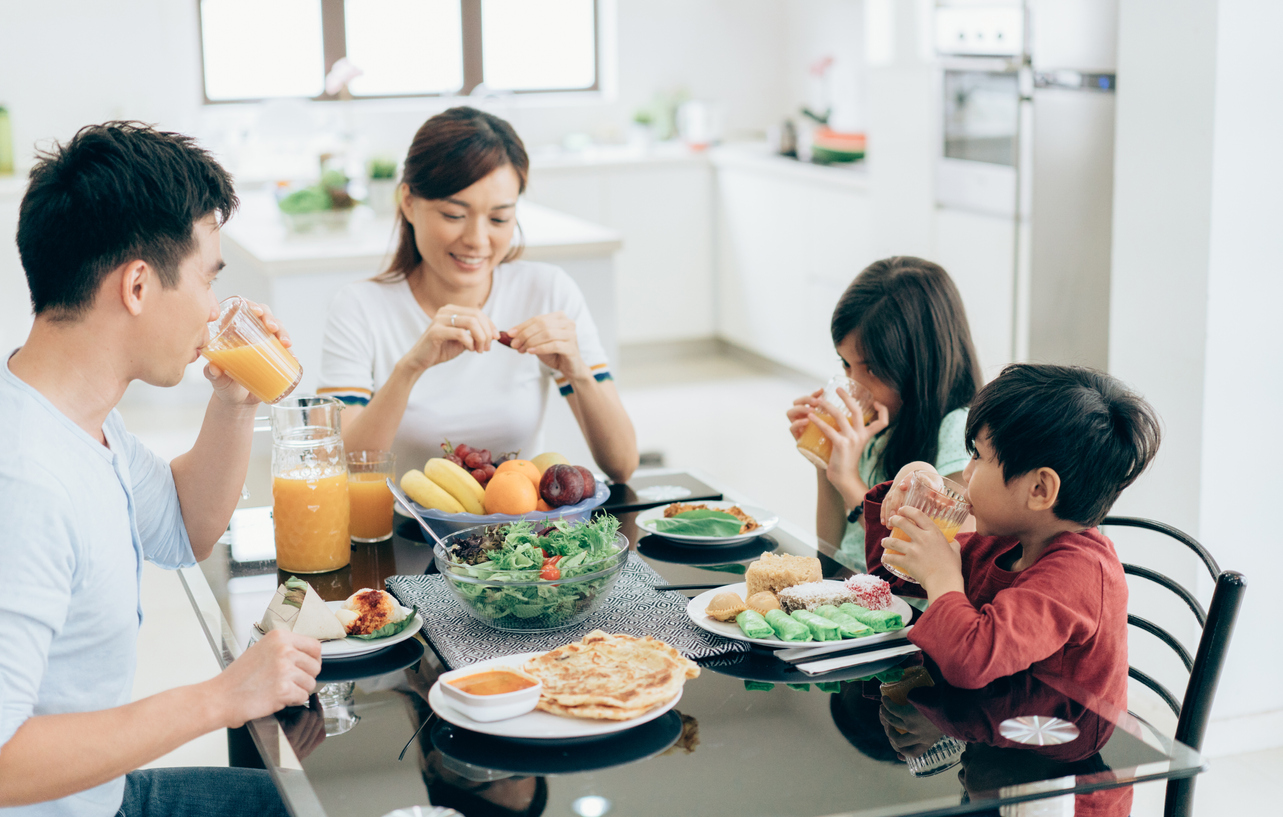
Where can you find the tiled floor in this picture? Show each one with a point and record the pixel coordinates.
(719, 413)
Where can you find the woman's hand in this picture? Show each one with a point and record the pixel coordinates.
(227, 389)
(552, 338)
(848, 440)
(454, 330)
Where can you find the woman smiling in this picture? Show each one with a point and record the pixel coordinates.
(414, 352)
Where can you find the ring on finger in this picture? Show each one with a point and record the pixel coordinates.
(452, 317)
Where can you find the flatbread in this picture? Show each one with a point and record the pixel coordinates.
(613, 677)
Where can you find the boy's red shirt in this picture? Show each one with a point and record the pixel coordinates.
(1066, 614)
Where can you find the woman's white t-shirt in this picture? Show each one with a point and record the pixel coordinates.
(493, 400)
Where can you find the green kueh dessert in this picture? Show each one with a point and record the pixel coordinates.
(821, 628)
(786, 628)
(753, 625)
(882, 621)
(850, 627)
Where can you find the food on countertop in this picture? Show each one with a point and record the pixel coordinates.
(611, 677)
(707, 523)
(494, 681)
(753, 625)
(849, 626)
(813, 594)
(590, 482)
(725, 606)
(298, 608)
(427, 493)
(686, 510)
(372, 614)
(457, 482)
(548, 458)
(511, 493)
(869, 592)
(882, 621)
(774, 573)
(821, 628)
(476, 461)
(787, 628)
(763, 602)
(562, 485)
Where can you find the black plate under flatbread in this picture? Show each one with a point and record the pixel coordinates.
(558, 757)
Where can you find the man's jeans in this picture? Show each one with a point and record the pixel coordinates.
(200, 792)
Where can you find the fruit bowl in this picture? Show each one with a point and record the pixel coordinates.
(536, 605)
(445, 523)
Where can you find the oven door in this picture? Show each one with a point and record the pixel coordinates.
(980, 119)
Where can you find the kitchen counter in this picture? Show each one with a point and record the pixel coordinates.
(756, 157)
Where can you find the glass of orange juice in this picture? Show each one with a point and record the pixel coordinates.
(368, 471)
(944, 502)
(240, 345)
(813, 444)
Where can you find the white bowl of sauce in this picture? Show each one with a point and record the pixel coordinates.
(492, 693)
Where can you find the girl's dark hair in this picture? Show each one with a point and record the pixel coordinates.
(115, 193)
(452, 151)
(912, 332)
(1097, 435)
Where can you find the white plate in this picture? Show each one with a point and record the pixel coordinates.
(696, 607)
(352, 647)
(765, 522)
(537, 725)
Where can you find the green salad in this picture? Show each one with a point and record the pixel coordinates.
(521, 552)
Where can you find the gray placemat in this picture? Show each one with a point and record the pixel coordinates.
(632, 608)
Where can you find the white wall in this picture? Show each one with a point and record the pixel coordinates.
(1197, 246)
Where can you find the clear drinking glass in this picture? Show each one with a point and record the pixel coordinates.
(371, 501)
(310, 506)
(240, 345)
(946, 505)
(813, 444)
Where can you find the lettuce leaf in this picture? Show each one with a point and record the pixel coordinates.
(701, 522)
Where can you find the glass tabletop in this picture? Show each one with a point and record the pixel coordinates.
(750, 736)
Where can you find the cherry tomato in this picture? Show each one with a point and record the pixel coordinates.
(550, 571)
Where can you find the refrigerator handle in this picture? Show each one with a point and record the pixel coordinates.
(1023, 143)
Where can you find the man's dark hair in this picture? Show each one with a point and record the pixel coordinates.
(1097, 435)
(115, 193)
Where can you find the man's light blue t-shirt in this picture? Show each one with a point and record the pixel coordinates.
(77, 518)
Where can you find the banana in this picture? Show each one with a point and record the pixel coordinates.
(458, 483)
(427, 493)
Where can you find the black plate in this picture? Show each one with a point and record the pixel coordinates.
(390, 659)
(761, 665)
(558, 757)
(682, 553)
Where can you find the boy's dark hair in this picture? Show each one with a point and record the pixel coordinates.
(1097, 435)
(912, 331)
(115, 193)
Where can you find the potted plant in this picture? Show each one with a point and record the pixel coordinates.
(381, 185)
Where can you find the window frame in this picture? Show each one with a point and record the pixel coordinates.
(334, 48)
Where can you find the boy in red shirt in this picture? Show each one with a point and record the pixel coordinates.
(1037, 585)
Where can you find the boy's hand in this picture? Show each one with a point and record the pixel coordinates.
(934, 561)
(900, 488)
(910, 733)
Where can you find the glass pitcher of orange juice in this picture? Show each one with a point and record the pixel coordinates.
(813, 444)
(310, 509)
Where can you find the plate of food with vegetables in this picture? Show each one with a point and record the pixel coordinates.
(707, 523)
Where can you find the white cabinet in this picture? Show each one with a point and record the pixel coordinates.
(663, 210)
(791, 237)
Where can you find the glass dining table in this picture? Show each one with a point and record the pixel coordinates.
(752, 735)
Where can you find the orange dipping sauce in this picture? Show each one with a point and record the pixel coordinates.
(491, 682)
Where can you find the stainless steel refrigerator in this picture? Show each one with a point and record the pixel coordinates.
(1028, 134)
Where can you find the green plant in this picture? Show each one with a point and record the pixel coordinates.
(381, 168)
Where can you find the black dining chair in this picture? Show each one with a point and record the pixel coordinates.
(1204, 668)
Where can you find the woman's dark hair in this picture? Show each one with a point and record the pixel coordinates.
(452, 151)
(912, 332)
(1097, 435)
(114, 193)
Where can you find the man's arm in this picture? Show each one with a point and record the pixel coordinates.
(278, 671)
(210, 476)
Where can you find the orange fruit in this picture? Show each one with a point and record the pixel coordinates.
(542, 506)
(510, 492)
(526, 467)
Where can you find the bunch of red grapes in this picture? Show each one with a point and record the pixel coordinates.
(476, 461)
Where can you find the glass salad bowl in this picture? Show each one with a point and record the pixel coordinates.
(519, 601)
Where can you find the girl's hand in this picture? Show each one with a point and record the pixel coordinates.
(848, 440)
(900, 488)
(454, 330)
(227, 389)
(552, 338)
(800, 412)
(935, 562)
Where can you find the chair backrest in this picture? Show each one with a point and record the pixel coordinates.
(1217, 626)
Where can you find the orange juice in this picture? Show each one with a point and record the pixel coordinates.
(813, 444)
(371, 503)
(268, 370)
(949, 529)
(311, 515)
